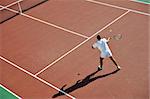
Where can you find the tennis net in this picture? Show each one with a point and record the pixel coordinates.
(17, 5)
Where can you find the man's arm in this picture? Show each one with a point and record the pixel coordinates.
(108, 39)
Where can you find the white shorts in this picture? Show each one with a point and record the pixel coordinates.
(106, 54)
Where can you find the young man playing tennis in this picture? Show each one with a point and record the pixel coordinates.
(102, 45)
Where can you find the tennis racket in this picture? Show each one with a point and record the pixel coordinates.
(117, 37)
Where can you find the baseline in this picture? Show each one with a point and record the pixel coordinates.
(106, 4)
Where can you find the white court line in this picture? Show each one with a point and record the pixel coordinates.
(9, 5)
(10, 91)
(56, 26)
(106, 4)
(47, 23)
(81, 44)
(9, 9)
(140, 2)
(38, 78)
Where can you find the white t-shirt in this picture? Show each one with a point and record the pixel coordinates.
(103, 47)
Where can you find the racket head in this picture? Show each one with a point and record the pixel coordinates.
(117, 37)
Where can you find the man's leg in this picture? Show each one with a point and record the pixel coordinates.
(101, 64)
(114, 61)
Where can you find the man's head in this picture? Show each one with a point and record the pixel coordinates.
(98, 37)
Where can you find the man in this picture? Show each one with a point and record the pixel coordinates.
(102, 45)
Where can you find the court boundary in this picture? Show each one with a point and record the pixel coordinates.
(10, 91)
(140, 2)
(118, 7)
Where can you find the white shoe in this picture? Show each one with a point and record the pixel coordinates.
(118, 67)
(99, 68)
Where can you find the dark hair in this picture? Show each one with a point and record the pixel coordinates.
(98, 37)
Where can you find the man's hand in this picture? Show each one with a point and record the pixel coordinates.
(109, 38)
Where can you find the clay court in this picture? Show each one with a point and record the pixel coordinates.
(46, 50)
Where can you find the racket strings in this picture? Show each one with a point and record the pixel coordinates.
(117, 36)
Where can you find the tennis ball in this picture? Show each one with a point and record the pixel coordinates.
(110, 30)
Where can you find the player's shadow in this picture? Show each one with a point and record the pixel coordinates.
(81, 83)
